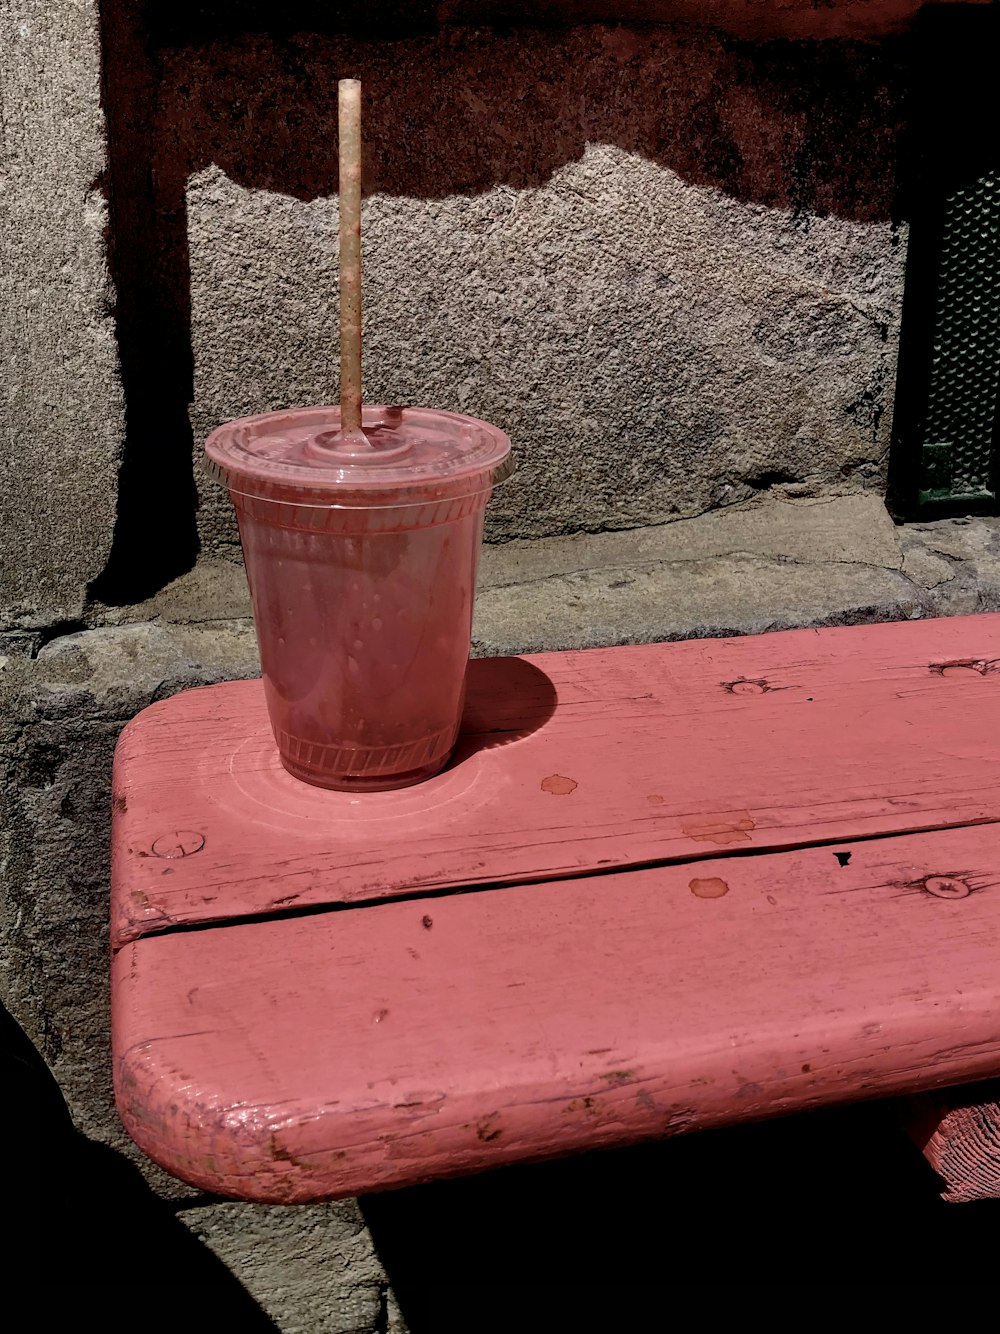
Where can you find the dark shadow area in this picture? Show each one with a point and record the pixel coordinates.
(946, 400)
(506, 699)
(439, 118)
(86, 1231)
(223, 20)
(824, 1199)
(810, 128)
(758, 19)
(155, 536)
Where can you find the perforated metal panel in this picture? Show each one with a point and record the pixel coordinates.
(946, 427)
(959, 428)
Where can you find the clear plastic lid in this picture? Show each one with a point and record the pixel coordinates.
(402, 456)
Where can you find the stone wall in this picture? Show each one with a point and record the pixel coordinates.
(61, 402)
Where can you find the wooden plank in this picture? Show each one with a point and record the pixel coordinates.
(612, 758)
(959, 1133)
(298, 1059)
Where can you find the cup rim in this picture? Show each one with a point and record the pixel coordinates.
(228, 459)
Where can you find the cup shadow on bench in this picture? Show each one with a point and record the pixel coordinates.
(506, 700)
(833, 1197)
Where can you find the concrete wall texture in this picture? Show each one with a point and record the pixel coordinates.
(668, 258)
(62, 420)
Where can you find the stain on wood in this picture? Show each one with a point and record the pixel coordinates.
(709, 887)
(723, 830)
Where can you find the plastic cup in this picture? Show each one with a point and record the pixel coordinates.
(361, 557)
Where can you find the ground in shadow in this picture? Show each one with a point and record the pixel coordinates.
(821, 1200)
(94, 1243)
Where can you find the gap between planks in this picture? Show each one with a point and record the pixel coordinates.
(434, 892)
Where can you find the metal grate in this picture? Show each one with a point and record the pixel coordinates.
(959, 426)
(946, 442)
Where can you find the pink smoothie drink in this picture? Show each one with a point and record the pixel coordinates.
(361, 553)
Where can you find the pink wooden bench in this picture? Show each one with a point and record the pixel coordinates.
(659, 888)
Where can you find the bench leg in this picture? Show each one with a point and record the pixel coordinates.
(959, 1133)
